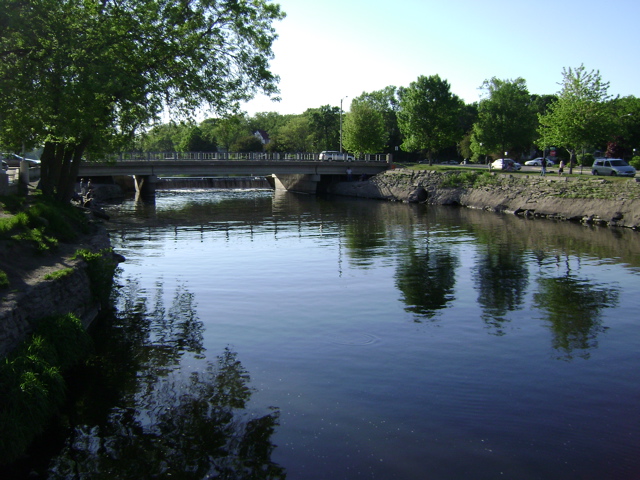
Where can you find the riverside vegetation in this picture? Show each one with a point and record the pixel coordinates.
(36, 237)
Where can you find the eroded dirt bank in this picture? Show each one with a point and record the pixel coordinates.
(586, 199)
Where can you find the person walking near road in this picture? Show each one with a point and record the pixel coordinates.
(543, 169)
(561, 167)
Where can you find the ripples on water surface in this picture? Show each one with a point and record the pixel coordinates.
(340, 338)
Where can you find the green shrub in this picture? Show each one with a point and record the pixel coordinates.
(4, 280)
(101, 267)
(586, 160)
(32, 387)
(485, 178)
(635, 162)
(460, 179)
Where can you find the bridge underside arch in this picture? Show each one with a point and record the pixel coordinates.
(294, 182)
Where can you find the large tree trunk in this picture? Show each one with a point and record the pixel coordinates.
(572, 159)
(67, 182)
(60, 164)
(47, 160)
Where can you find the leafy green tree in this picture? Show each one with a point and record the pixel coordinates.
(193, 141)
(208, 129)
(160, 138)
(247, 143)
(580, 117)
(364, 130)
(506, 119)
(295, 135)
(541, 103)
(270, 122)
(229, 129)
(625, 114)
(464, 146)
(468, 118)
(429, 116)
(386, 102)
(325, 127)
(81, 76)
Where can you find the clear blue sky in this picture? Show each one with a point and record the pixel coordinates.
(331, 49)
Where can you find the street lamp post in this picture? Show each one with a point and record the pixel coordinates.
(341, 122)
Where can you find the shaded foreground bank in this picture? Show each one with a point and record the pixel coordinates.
(57, 269)
(591, 200)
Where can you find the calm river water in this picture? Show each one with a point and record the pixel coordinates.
(275, 335)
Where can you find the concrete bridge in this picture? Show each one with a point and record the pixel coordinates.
(301, 172)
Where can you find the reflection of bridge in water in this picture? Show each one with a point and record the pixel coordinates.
(300, 172)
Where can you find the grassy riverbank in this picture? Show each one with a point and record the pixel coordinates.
(52, 269)
(576, 185)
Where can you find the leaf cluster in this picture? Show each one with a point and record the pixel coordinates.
(429, 115)
(31, 384)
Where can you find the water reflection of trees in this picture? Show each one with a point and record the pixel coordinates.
(426, 280)
(573, 308)
(168, 421)
(501, 277)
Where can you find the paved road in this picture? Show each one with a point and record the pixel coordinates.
(550, 170)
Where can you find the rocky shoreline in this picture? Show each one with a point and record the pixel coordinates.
(590, 200)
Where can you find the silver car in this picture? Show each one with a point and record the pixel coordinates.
(506, 164)
(612, 166)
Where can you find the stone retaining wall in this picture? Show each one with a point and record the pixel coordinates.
(37, 298)
(587, 199)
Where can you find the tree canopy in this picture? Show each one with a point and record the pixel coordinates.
(80, 76)
(429, 115)
(506, 119)
(364, 129)
(580, 116)
(386, 102)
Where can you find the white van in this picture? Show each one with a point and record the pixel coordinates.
(335, 155)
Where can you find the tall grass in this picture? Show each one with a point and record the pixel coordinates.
(100, 268)
(468, 179)
(41, 224)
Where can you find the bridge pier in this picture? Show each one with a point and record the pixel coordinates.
(145, 185)
(294, 182)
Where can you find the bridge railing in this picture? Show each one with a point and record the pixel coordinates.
(229, 156)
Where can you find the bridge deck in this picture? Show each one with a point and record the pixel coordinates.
(228, 167)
